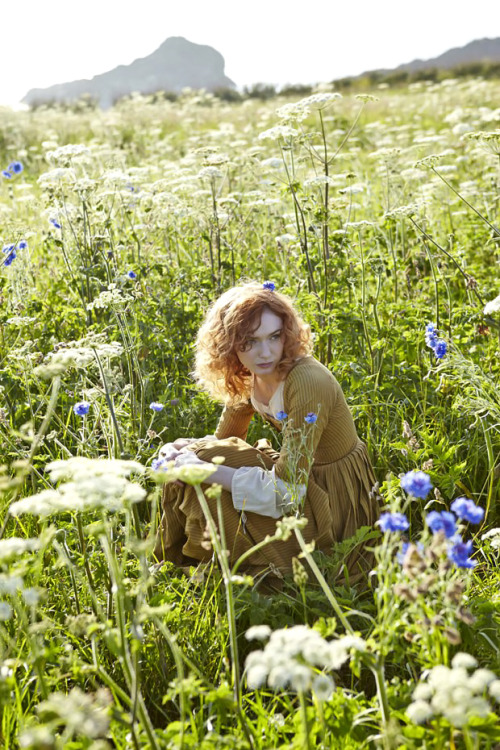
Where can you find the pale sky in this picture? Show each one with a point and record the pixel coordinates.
(272, 41)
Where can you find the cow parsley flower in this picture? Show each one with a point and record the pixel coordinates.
(87, 484)
(279, 131)
(14, 547)
(453, 693)
(492, 306)
(258, 632)
(85, 714)
(291, 656)
(5, 611)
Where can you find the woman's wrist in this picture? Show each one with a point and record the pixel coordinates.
(223, 475)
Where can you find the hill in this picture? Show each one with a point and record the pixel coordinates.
(176, 64)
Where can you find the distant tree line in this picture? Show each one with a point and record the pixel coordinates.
(264, 91)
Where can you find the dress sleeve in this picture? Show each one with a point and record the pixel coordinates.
(260, 491)
(308, 391)
(234, 421)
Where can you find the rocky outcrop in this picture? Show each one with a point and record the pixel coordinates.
(176, 64)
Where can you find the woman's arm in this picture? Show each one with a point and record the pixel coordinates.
(234, 421)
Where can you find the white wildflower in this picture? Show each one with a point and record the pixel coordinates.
(79, 355)
(494, 690)
(419, 711)
(285, 239)
(293, 111)
(31, 596)
(56, 177)
(20, 320)
(320, 100)
(453, 693)
(110, 297)
(323, 687)
(301, 678)
(481, 679)
(273, 163)
(210, 173)
(93, 483)
(279, 131)
(353, 189)
(320, 179)
(492, 306)
(65, 153)
(14, 547)
(82, 713)
(291, 654)
(464, 661)
(258, 632)
(5, 611)
(10, 584)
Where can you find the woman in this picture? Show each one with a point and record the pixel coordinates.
(253, 352)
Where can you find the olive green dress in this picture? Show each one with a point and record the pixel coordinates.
(340, 479)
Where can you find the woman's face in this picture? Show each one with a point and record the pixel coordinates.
(263, 348)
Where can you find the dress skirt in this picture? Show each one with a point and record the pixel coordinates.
(338, 502)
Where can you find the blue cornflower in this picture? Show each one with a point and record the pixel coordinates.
(10, 251)
(467, 509)
(443, 521)
(156, 406)
(440, 348)
(430, 335)
(460, 553)
(55, 223)
(6, 174)
(393, 522)
(131, 274)
(270, 285)
(81, 408)
(15, 167)
(281, 415)
(416, 483)
(22, 245)
(311, 417)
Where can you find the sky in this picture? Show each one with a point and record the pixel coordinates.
(268, 41)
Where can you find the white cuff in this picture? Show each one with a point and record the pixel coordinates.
(259, 491)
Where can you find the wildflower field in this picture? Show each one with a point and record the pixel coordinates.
(380, 216)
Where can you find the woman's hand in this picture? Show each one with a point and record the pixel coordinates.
(188, 458)
(168, 452)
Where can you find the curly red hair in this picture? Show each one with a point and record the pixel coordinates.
(231, 319)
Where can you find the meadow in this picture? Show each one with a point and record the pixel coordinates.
(379, 214)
